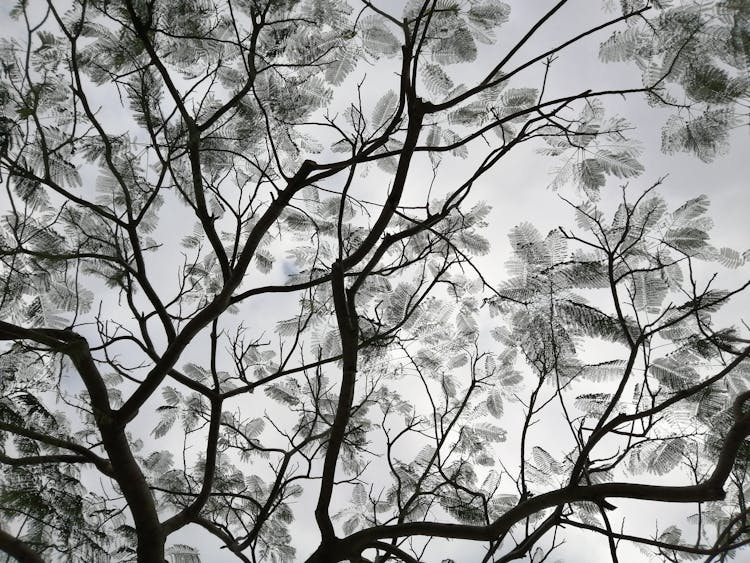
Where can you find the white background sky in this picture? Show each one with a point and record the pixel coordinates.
(518, 191)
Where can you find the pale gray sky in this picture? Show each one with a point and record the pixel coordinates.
(518, 189)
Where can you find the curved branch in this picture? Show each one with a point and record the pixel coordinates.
(711, 489)
(84, 454)
(655, 543)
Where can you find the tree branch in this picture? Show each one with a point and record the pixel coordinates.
(18, 549)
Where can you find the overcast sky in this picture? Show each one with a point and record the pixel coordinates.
(518, 190)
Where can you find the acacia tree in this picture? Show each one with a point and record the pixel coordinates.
(325, 334)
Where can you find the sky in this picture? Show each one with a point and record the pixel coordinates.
(519, 190)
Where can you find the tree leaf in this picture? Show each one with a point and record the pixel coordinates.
(384, 109)
(436, 79)
(675, 375)
(665, 456)
(495, 403)
(377, 39)
(345, 63)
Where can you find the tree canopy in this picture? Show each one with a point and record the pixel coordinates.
(246, 282)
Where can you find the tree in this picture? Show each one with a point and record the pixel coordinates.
(325, 336)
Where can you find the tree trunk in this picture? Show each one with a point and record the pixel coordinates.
(135, 489)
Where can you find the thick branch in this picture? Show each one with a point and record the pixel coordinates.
(346, 317)
(18, 549)
(43, 459)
